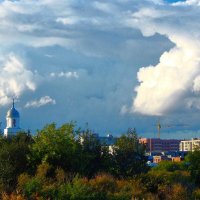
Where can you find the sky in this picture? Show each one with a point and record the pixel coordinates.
(113, 65)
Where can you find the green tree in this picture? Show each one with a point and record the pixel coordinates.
(89, 156)
(128, 155)
(55, 146)
(193, 161)
(107, 161)
(13, 159)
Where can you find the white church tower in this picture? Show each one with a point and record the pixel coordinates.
(12, 121)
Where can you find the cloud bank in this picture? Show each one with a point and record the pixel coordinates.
(171, 82)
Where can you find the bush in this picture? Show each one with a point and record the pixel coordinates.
(33, 188)
(168, 166)
(12, 196)
(23, 179)
(196, 194)
(60, 176)
(80, 189)
(49, 192)
(63, 193)
(104, 183)
(124, 190)
(178, 192)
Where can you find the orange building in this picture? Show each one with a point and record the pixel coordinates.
(176, 159)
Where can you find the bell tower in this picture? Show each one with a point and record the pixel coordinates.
(12, 122)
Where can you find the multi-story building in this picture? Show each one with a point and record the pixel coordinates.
(160, 145)
(189, 145)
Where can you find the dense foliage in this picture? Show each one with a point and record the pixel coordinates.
(68, 163)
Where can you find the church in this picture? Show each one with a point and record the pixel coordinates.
(12, 122)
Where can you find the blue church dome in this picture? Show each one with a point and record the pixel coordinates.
(12, 113)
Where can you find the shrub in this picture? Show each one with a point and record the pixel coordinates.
(80, 189)
(60, 176)
(104, 183)
(49, 192)
(12, 196)
(33, 188)
(178, 192)
(23, 179)
(43, 170)
(196, 194)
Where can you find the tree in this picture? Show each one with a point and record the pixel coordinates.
(107, 161)
(128, 155)
(13, 158)
(55, 146)
(89, 155)
(193, 161)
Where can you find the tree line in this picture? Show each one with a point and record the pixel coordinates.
(69, 163)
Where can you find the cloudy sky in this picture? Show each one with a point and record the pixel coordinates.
(112, 64)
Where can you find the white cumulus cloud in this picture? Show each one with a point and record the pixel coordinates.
(164, 85)
(46, 100)
(15, 78)
(65, 74)
(187, 2)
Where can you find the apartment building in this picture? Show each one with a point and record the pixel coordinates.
(160, 145)
(189, 145)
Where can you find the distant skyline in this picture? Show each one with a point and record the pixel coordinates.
(115, 65)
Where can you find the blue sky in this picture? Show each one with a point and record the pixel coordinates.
(172, 1)
(113, 64)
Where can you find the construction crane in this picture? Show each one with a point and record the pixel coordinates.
(159, 126)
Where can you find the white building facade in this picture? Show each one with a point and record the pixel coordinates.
(189, 145)
(12, 122)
